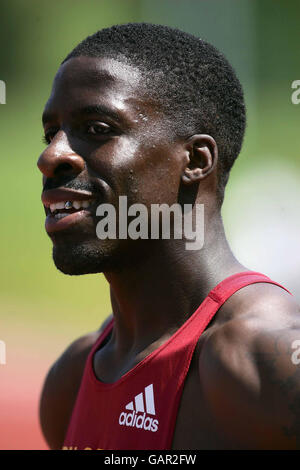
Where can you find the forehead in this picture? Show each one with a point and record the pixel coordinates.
(85, 81)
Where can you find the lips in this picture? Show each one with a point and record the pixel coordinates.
(52, 196)
(65, 207)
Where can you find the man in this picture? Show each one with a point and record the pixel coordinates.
(199, 353)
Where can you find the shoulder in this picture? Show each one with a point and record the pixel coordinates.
(250, 363)
(61, 387)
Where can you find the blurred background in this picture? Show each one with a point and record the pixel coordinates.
(42, 310)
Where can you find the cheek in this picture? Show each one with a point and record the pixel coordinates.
(146, 174)
(114, 160)
(154, 179)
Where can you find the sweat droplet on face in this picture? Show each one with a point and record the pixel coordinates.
(144, 118)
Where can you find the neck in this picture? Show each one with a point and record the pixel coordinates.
(153, 298)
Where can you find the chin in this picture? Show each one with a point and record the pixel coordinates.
(88, 258)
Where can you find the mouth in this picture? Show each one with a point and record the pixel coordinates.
(66, 207)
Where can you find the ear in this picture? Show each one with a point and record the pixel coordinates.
(203, 156)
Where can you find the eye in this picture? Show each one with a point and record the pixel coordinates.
(49, 134)
(98, 128)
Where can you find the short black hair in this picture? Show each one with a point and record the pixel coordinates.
(194, 83)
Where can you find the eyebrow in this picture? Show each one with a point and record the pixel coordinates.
(87, 110)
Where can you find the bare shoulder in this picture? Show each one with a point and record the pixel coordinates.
(61, 387)
(251, 364)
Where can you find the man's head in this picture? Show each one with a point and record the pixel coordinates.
(139, 110)
(193, 82)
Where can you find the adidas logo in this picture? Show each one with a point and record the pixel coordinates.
(143, 404)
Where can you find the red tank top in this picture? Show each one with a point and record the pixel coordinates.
(139, 410)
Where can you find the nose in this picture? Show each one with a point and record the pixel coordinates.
(59, 158)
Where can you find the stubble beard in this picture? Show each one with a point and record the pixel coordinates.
(76, 259)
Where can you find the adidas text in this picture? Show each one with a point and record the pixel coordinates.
(139, 421)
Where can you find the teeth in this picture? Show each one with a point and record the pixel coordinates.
(76, 204)
(52, 207)
(69, 205)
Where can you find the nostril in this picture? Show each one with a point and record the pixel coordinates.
(63, 168)
(53, 163)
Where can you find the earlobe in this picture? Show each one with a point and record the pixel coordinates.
(203, 154)
(190, 175)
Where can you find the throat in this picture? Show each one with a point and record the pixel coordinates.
(111, 361)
